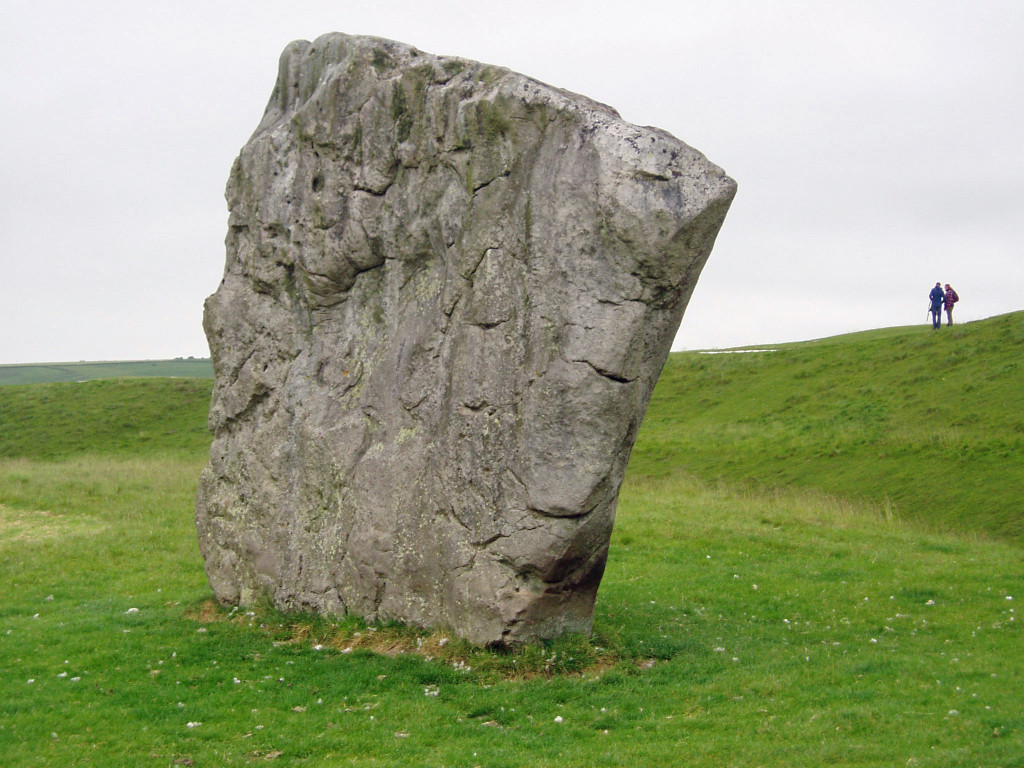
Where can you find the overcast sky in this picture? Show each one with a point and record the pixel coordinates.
(878, 147)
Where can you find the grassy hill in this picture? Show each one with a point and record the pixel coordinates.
(39, 373)
(778, 591)
(928, 423)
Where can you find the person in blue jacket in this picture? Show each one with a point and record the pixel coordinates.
(937, 298)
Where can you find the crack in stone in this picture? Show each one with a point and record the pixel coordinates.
(484, 185)
(606, 374)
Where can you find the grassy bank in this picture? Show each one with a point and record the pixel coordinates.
(928, 423)
(123, 417)
(755, 615)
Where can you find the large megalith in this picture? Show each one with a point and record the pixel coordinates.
(448, 294)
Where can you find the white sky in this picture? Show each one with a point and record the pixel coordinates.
(878, 147)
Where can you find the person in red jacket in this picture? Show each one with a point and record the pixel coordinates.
(950, 299)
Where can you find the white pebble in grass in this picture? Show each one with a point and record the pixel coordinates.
(132, 610)
(192, 724)
(558, 718)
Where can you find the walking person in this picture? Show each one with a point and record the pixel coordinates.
(950, 299)
(937, 298)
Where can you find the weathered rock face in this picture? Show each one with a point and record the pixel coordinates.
(449, 292)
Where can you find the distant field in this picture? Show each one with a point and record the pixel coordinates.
(42, 373)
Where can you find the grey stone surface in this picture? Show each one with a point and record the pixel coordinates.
(448, 294)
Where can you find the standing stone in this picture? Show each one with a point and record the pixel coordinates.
(449, 292)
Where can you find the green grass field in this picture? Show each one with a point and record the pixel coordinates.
(782, 588)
